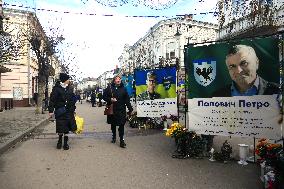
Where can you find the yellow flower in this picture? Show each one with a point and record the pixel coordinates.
(169, 132)
(175, 129)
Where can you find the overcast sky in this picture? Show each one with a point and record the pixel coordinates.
(97, 41)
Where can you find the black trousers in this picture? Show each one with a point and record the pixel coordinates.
(93, 103)
(120, 131)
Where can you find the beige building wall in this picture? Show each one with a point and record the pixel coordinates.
(16, 85)
(22, 82)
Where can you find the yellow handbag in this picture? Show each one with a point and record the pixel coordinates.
(80, 124)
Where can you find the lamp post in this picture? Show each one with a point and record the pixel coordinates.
(177, 36)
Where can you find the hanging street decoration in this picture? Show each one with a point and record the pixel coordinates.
(153, 4)
(8, 5)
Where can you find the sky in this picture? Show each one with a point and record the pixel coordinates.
(96, 41)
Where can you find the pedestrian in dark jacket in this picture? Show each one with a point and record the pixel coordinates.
(93, 99)
(62, 103)
(117, 95)
(100, 96)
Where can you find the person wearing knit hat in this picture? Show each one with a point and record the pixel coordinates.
(62, 104)
(63, 77)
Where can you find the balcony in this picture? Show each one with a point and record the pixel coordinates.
(267, 21)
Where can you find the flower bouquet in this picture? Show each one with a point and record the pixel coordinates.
(188, 143)
(176, 131)
(164, 118)
(174, 118)
(272, 158)
(267, 151)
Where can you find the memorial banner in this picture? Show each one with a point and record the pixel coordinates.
(248, 116)
(223, 69)
(127, 81)
(157, 107)
(246, 74)
(156, 92)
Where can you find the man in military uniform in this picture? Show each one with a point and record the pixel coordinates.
(150, 93)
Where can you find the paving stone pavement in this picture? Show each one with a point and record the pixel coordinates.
(21, 122)
(16, 123)
(93, 162)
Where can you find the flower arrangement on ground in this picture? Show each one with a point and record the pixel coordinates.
(164, 118)
(134, 120)
(267, 151)
(176, 130)
(189, 144)
(225, 154)
(174, 118)
(138, 122)
(272, 155)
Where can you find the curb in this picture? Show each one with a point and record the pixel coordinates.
(4, 147)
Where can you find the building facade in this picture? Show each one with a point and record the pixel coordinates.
(22, 82)
(105, 78)
(87, 83)
(164, 43)
(6, 104)
(249, 18)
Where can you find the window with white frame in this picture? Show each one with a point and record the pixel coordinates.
(170, 51)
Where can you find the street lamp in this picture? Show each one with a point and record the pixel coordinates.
(177, 36)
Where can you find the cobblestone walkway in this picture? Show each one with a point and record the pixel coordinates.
(18, 120)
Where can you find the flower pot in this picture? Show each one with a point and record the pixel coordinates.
(165, 125)
(243, 154)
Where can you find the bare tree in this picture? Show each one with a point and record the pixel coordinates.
(11, 40)
(11, 47)
(44, 48)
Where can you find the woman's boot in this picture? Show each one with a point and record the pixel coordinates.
(113, 140)
(65, 145)
(59, 143)
(122, 143)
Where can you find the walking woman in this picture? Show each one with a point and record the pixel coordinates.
(62, 103)
(117, 95)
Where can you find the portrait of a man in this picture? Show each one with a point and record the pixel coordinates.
(242, 64)
(150, 93)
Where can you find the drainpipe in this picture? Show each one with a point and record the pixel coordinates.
(1, 16)
(1, 30)
(29, 74)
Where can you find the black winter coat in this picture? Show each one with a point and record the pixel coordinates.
(61, 97)
(119, 107)
(93, 97)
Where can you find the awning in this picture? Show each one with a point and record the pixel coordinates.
(3, 69)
